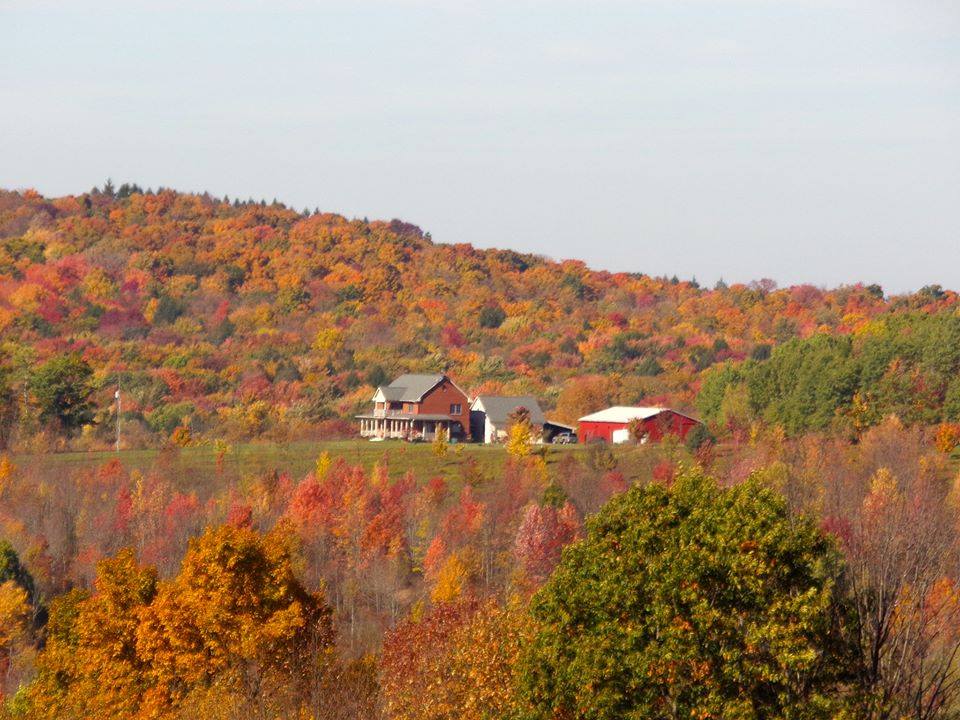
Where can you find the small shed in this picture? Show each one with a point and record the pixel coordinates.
(490, 415)
(612, 425)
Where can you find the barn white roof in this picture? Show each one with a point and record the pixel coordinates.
(622, 414)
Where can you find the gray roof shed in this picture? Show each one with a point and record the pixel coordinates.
(499, 407)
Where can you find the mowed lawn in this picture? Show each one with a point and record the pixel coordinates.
(198, 465)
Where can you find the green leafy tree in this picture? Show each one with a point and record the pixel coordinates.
(12, 570)
(8, 405)
(713, 389)
(61, 387)
(691, 601)
(804, 382)
(951, 403)
(698, 436)
(492, 316)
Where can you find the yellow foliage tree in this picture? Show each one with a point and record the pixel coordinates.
(946, 439)
(7, 469)
(328, 341)
(235, 612)
(457, 662)
(483, 661)
(518, 440)
(181, 436)
(455, 576)
(98, 285)
(90, 667)
(14, 617)
(440, 443)
(234, 631)
(323, 465)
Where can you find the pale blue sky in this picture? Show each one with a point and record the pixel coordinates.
(807, 141)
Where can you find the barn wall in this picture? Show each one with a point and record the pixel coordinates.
(590, 430)
(667, 422)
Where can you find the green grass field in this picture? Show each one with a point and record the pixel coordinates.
(295, 458)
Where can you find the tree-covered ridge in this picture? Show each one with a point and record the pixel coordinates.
(905, 364)
(253, 318)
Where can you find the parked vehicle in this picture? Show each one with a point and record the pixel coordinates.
(565, 438)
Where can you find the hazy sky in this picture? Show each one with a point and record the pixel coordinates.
(806, 141)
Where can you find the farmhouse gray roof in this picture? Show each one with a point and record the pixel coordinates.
(499, 407)
(392, 393)
(410, 387)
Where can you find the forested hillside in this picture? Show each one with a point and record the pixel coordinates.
(227, 319)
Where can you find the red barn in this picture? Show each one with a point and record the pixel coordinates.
(611, 425)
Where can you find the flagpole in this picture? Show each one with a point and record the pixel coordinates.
(117, 396)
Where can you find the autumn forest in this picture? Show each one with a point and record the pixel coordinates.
(190, 526)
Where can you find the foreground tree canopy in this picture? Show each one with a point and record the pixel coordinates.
(684, 600)
(691, 601)
(234, 629)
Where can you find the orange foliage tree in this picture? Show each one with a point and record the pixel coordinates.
(234, 628)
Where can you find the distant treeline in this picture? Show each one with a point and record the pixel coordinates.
(907, 365)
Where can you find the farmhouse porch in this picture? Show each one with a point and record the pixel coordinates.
(405, 426)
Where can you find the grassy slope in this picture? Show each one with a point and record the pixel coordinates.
(195, 467)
